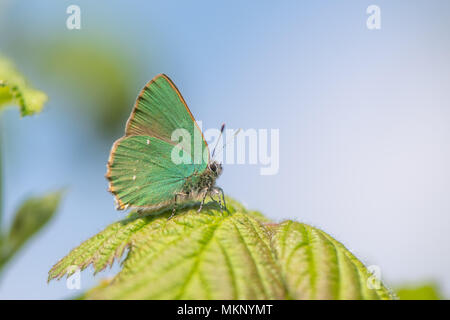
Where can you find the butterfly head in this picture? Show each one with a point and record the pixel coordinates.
(215, 167)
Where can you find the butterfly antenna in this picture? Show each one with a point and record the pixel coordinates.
(218, 139)
(229, 139)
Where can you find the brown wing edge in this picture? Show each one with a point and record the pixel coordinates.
(174, 87)
(120, 204)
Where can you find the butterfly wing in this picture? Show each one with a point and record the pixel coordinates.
(160, 110)
(141, 171)
(142, 174)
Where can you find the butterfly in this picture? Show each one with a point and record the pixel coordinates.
(141, 169)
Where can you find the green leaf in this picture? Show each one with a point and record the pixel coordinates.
(29, 219)
(14, 90)
(427, 291)
(315, 266)
(237, 254)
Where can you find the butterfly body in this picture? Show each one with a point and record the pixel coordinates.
(204, 181)
(141, 169)
(198, 186)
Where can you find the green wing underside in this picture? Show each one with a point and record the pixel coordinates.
(140, 169)
(160, 110)
(142, 173)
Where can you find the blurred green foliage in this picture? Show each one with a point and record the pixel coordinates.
(31, 217)
(426, 291)
(14, 90)
(34, 213)
(94, 73)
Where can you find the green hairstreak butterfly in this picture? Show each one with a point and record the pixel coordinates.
(141, 170)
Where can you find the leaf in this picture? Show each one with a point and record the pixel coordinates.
(29, 219)
(426, 291)
(315, 266)
(14, 89)
(237, 254)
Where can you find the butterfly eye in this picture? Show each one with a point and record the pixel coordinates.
(213, 167)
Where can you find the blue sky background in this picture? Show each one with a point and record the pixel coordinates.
(363, 117)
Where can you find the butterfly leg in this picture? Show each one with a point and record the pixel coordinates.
(175, 204)
(203, 201)
(220, 192)
(174, 209)
(220, 196)
(220, 204)
(219, 201)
